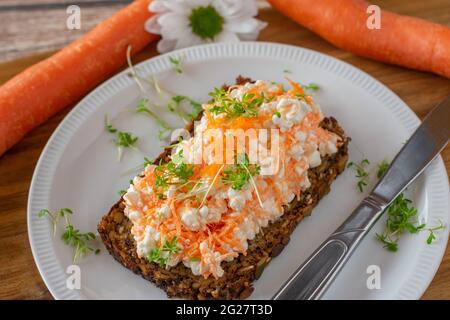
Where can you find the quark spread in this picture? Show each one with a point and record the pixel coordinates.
(203, 213)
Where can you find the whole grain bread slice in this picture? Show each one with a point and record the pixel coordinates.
(236, 283)
(239, 275)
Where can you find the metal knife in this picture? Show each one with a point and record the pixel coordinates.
(315, 275)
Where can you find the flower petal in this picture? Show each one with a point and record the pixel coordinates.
(198, 3)
(250, 36)
(165, 45)
(172, 24)
(157, 6)
(242, 26)
(178, 6)
(173, 20)
(236, 9)
(152, 25)
(226, 36)
(188, 40)
(171, 34)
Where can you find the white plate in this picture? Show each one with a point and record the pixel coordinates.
(78, 169)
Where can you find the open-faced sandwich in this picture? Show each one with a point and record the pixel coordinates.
(207, 229)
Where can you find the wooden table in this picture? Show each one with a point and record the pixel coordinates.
(19, 278)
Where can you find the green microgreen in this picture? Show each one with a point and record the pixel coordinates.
(133, 73)
(361, 174)
(71, 236)
(147, 162)
(162, 255)
(431, 235)
(177, 64)
(196, 109)
(311, 87)
(401, 218)
(174, 144)
(300, 96)
(382, 168)
(239, 174)
(174, 105)
(125, 139)
(224, 104)
(175, 172)
(54, 217)
(143, 106)
(108, 126)
(122, 139)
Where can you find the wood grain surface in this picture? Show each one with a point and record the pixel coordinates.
(35, 26)
(19, 278)
(32, 26)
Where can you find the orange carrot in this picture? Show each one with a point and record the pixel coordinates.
(295, 86)
(34, 95)
(401, 40)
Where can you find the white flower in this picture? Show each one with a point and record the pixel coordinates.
(183, 23)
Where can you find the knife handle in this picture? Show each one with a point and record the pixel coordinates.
(314, 276)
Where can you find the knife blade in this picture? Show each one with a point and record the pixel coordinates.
(315, 275)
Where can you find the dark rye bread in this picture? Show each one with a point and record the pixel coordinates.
(236, 283)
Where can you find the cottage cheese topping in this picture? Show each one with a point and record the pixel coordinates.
(200, 218)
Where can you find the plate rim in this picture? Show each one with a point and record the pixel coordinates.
(413, 289)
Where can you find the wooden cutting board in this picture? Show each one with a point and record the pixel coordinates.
(19, 278)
